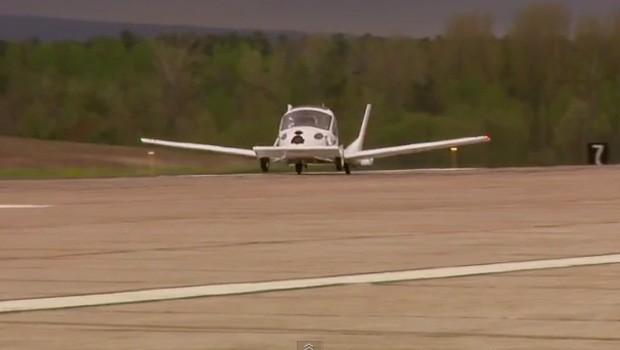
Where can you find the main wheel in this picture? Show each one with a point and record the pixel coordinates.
(264, 164)
(338, 162)
(347, 168)
(299, 167)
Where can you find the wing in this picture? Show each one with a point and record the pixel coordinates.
(415, 148)
(202, 147)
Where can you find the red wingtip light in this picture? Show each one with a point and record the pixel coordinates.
(488, 137)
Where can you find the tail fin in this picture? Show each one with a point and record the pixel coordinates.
(358, 144)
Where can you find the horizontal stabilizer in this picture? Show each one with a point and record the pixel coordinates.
(414, 148)
(202, 147)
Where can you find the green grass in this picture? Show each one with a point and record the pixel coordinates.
(79, 173)
(94, 172)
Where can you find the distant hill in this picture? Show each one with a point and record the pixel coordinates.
(16, 28)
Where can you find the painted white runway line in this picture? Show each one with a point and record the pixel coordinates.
(23, 206)
(271, 286)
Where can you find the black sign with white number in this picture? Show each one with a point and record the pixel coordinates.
(598, 153)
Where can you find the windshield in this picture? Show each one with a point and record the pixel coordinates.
(306, 118)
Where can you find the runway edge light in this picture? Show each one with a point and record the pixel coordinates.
(151, 161)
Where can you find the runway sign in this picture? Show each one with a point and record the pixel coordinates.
(598, 153)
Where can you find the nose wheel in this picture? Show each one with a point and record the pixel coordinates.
(338, 162)
(299, 168)
(340, 165)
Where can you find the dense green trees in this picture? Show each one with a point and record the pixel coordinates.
(542, 92)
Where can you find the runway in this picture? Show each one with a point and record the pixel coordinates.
(372, 242)
(121, 297)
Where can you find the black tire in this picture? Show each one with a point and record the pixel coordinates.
(298, 168)
(264, 164)
(347, 168)
(338, 162)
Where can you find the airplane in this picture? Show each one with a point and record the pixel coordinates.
(309, 135)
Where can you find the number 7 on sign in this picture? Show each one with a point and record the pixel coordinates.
(599, 153)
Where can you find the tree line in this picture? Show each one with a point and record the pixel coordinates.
(541, 92)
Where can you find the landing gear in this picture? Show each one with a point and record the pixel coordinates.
(340, 165)
(298, 168)
(264, 164)
(347, 168)
(338, 162)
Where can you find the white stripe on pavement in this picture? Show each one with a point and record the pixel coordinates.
(261, 287)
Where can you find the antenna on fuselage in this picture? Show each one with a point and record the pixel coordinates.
(289, 107)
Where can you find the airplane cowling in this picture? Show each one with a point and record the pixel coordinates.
(307, 136)
(297, 140)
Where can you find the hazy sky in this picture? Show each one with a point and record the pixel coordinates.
(407, 17)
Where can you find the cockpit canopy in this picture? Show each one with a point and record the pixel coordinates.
(306, 117)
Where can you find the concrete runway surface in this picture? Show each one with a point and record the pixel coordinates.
(82, 237)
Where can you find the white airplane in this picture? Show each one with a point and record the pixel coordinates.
(309, 135)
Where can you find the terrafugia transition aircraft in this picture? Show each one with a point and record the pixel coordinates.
(309, 135)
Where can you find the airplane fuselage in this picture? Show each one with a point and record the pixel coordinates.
(307, 135)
